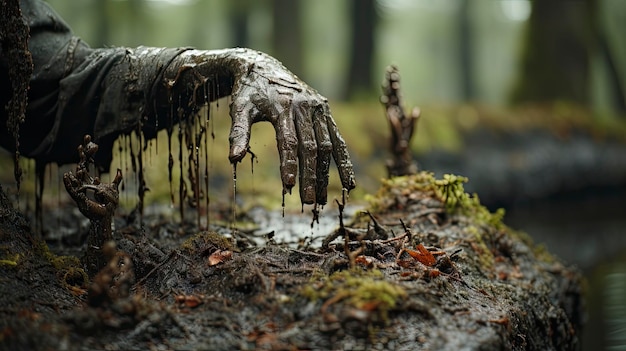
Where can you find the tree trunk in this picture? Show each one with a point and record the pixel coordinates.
(102, 24)
(239, 22)
(606, 53)
(363, 14)
(288, 34)
(555, 62)
(465, 51)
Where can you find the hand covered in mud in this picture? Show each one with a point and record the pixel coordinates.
(306, 133)
(262, 89)
(105, 199)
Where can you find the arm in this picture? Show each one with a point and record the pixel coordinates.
(77, 90)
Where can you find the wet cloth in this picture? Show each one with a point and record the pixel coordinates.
(77, 90)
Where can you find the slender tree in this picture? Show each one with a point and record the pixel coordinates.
(287, 37)
(102, 24)
(364, 19)
(606, 52)
(555, 63)
(239, 10)
(465, 51)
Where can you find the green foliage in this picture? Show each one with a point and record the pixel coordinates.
(356, 288)
(11, 261)
(483, 252)
(69, 268)
(400, 190)
(450, 190)
(7, 258)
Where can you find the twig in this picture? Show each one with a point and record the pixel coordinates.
(143, 279)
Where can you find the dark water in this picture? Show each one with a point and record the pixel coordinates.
(588, 231)
(565, 192)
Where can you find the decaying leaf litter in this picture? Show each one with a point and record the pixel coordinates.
(425, 266)
(442, 280)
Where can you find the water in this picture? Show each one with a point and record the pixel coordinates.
(587, 232)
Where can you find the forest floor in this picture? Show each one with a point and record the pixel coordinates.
(428, 268)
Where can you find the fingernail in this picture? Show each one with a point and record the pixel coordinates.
(237, 152)
(290, 180)
(309, 195)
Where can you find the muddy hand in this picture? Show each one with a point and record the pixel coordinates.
(306, 133)
(105, 196)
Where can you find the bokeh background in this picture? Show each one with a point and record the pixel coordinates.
(525, 98)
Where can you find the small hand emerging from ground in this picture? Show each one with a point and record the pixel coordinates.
(99, 210)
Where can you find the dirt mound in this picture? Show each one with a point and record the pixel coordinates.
(429, 268)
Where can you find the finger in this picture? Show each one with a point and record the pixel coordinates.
(242, 113)
(340, 154)
(307, 151)
(287, 142)
(324, 152)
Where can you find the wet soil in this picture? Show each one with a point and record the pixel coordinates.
(421, 273)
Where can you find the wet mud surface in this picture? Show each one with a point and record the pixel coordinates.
(428, 268)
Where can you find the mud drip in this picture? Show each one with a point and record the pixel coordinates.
(170, 163)
(181, 185)
(15, 34)
(234, 201)
(142, 188)
(193, 136)
(206, 159)
(283, 202)
(40, 170)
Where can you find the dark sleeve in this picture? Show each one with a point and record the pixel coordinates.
(76, 90)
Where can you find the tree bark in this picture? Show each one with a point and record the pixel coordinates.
(239, 22)
(363, 14)
(465, 51)
(555, 63)
(287, 35)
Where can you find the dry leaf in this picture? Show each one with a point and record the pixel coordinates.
(219, 256)
(423, 255)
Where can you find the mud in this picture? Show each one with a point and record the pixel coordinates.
(438, 271)
(14, 34)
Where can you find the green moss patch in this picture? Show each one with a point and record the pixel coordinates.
(364, 290)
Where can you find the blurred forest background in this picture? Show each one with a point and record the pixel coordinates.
(512, 65)
(526, 98)
(449, 51)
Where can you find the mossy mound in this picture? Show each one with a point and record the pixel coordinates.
(438, 272)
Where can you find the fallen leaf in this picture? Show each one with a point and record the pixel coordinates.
(219, 256)
(423, 255)
(366, 261)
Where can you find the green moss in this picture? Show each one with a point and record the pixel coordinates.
(69, 268)
(485, 255)
(449, 190)
(366, 290)
(10, 260)
(206, 240)
(542, 254)
(391, 189)
(481, 223)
